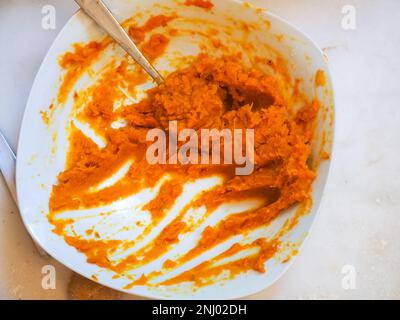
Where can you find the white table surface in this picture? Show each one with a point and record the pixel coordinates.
(359, 219)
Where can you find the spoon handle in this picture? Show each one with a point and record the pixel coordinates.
(98, 11)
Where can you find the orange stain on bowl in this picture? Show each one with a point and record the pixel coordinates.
(204, 4)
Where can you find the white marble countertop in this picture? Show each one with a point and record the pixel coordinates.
(359, 220)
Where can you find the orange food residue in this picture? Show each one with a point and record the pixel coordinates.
(76, 63)
(320, 79)
(203, 273)
(45, 117)
(205, 4)
(138, 33)
(155, 47)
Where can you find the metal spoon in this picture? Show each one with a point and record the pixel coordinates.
(98, 11)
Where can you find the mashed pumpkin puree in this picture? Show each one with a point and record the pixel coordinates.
(209, 93)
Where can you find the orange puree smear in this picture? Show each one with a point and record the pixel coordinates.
(320, 79)
(138, 33)
(76, 63)
(211, 93)
(203, 273)
(205, 4)
(155, 47)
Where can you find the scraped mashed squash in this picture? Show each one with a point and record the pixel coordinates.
(213, 93)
